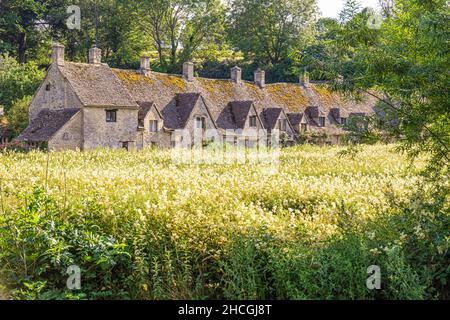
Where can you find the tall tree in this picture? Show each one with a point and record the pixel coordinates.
(405, 63)
(350, 9)
(178, 28)
(267, 30)
(24, 23)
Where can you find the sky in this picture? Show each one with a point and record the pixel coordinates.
(331, 8)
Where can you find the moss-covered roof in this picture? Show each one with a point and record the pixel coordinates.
(293, 98)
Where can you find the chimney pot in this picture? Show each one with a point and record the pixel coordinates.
(236, 75)
(188, 71)
(260, 78)
(145, 64)
(95, 55)
(304, 79)
(58, 54)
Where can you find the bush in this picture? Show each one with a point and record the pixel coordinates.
(18, 115)
(39, 242)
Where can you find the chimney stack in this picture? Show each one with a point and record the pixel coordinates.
(145, 64)
(236, 75)
(95, 55)
(188, 71)
(58, 54)
(304, 79)
(260, 78)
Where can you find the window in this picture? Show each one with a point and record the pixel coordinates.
(303, 127)
(321, 121)
(344, 121)
(47, 87)
(153, 126)
(200, 123)
(282, 124)
(253, 120)
(111, 115)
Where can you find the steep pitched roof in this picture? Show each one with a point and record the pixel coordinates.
(271, 116)
(218, 93)
(144, 109)
(97, 85)
(295, 118)
(240, 111)
(47, 124)
(185, 105)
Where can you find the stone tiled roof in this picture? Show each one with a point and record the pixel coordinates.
(97, 85)
(185, 105)
(240, 111)
(218, 94)
(295, 118)
(270, 117)
(47, 124)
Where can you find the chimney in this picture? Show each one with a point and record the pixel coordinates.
(95, 55)
(236, 75)
(188, 71)
(260, 78)
(58, 54)
(145, 64)
(304, 79)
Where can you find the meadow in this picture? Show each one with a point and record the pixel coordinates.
(143, 227)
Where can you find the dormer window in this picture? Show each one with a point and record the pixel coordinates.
(321, 121)
(48, 87)
(153, 126)
(111, 115)
(253, 122)
(303, 127)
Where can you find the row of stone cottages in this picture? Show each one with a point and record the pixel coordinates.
(90, 105)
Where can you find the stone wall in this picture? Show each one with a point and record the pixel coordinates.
(59, 96)
(99, 133)
(70, 136)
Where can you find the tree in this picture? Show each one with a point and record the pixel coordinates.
(17, 81)
(178, 28)
(25, 23)
(18, 115)
(268, 30)
(404, 64)
(350, 9)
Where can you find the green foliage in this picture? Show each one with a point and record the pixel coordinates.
(18, 115)
(308, 232)
(404, 63)
(40, 241)
(17, 81)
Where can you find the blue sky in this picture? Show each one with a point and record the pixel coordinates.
(331, 8)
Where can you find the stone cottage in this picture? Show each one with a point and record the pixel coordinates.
(90, 105)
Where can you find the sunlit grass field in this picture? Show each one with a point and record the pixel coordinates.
(150, 228)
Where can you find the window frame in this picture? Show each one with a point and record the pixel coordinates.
(303, 127)
(111, 119)
(155, 123)
(202, 120)
(322, 122)
(253, 121)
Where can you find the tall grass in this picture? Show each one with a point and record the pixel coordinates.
(143, 227)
